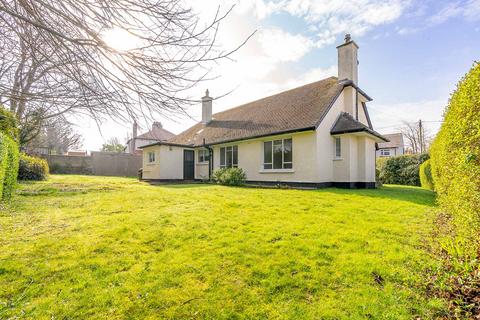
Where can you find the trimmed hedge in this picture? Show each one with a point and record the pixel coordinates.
(456, 166)
(8, 166)
(230, 176)
(401, 169)
(32, 168)
(426, 179)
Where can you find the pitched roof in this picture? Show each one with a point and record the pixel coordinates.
(396, 140)
(347, 124)
(297, 109)
(157, 133)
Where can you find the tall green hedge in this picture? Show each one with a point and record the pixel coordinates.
(426, 179)
(401, 169)
(9, 124)
(8, 166)
(455, 162)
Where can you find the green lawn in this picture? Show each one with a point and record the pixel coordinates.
(77, 247)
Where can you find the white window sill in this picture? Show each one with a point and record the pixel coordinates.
(337, 159)
(202, 163)
(276, 171)
(151, 164)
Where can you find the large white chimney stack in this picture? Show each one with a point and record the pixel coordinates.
(206, 108)
(348, 60)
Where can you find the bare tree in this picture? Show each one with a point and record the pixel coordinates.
(55, 58)
(418, 138)
(58, 136)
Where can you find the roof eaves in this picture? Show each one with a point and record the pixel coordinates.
(163, 143)
(311, 128)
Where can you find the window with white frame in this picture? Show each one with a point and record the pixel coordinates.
(202, 155)
(338, 147)
(229, 157)
(151, 156)
(385, 152)
(278, 154)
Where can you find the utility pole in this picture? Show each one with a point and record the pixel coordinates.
(420, 133)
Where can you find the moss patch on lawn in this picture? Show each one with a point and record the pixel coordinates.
(101, 247)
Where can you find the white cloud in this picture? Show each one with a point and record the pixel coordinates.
(283, 46)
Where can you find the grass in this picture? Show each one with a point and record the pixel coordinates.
(79, 247)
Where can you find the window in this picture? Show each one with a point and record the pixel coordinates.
(385, 152)
(229, 157)
(202, 155)
(277, 154)
(151, 157)
(338, 147)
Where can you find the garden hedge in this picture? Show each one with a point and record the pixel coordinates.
(401, 169)
(32, 168)
(8, 166)
(456, 165)
(426, 179)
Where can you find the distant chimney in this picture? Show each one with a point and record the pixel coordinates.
(348, 60)
(157, 124)
(206, 108)
(135, 129)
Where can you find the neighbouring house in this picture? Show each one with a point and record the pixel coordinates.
(316, 135)
(394, 147)
(157, 134)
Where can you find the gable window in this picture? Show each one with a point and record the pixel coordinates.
(202, 155)
(229, 157)
(151, 157)
(385, 152)
(338, 147)
(277, 154)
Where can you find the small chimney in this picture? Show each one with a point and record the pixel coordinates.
(157, 124)
(348, 60)
(206, 108)
(135, 129)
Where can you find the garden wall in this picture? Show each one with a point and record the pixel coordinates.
(99, 164)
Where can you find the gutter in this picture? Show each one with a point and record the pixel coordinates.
(210, 159)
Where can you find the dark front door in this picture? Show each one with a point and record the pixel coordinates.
(188, 165)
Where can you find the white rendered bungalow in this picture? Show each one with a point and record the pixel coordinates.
(317, 135)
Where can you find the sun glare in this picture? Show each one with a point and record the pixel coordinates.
(120, 39)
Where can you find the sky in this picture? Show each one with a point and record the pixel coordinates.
(412, 54)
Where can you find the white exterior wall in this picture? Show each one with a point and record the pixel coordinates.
(168, 163)
(250, 159)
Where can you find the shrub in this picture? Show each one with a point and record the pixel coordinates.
(32, 168)
(426, 179)
(456, 165)
(401, 169)
(230, 176)
(9, 124)
(8, 166)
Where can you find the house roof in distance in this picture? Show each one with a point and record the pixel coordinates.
(298, 109)
(347, 124)
(157, 133)
(396, 140)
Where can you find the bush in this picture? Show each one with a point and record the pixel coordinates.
(401, 169)
(456, 165)
(426, 179)
(9, 124)
(230, 176)
(8, 166)
(32, 168)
